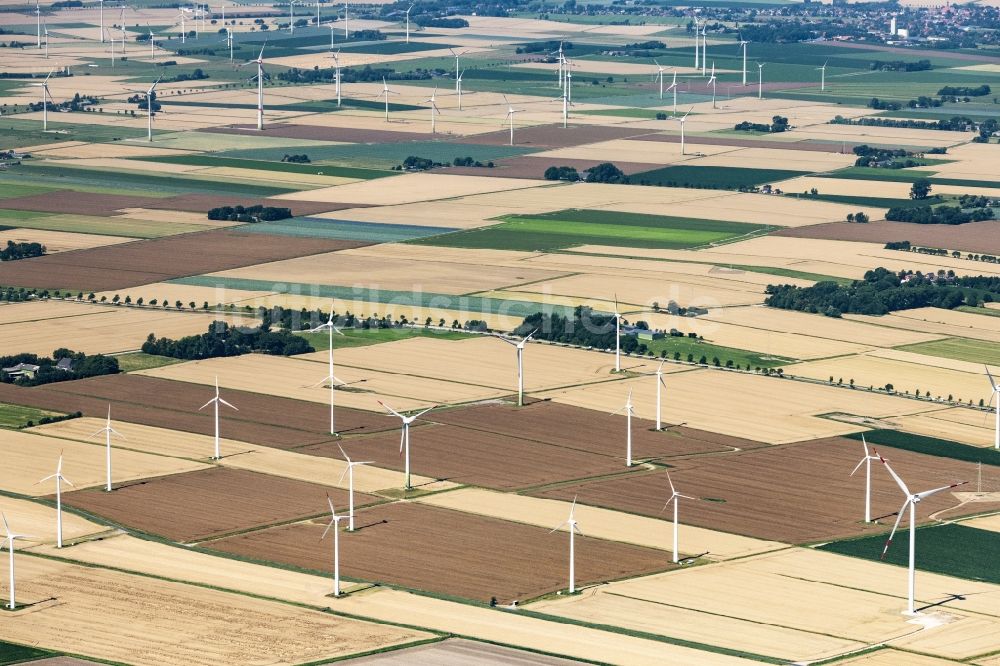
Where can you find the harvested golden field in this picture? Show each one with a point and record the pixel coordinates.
(770, 410)
(767, 158)
(58, 241)
(936, 321)
(402, 274)
(30, 457)
(890, 657)
(296, 378)
(864, 331)
(109, 615)
(106, 150)
(991, 523)
(39, 521)
(93, 329)
(969, 426)
(527, 632)
(600, 523)
(412, 187)
(875, 188)
(890, 135)
(171, 292)
(905, 376)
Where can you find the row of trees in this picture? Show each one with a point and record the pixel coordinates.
(221, 339)
(954, 124)
(258, 213)
(938, 215)
(778, 124)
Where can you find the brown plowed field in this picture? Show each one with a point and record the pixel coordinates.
(555, 136)
(588, 430)
(798, 493)
(322, 133)
(159, 259)
(976, 237)
(527, 166)
(196, 505)
(263, 419)
(449, 552)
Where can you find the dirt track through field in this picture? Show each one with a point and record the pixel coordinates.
(448, 552)
(195, 505)
(797, 493)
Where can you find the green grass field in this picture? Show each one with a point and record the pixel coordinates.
(876, 202)
(697, 349)
(952, 550)
(360, 337)
(986, 312)
(22, 132)
(285, 167)
(931, 446)
(562, 229)
(960, 349)
(100, 226)
(12, 653)
(22, 190)
(141, 361)
(712, 177)
(15, 416)
(905, 176)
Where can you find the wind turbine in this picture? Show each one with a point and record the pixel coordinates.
(456, 64)
(9, 540)
(822, 76)
(349, 473)
(435, 111)
(217, 400)
(711, 82)
(460, 89)
(112, 40)
(760, 80)
(911, 501)
(336, 66)
(673, 86)
(565, 102)
(659, 75)
(317, 13)
(510, 114)
(183, 17)
(629, 411)
(867, 462)
(696, 43)
(675, 498)
(573, 529)
(618, 333)
(45, 29)
(229, 43)
(408, 24)
(260, 85)
(520, 365)
(332, 26)
(560, 60)
(121, 29)
(404, 438)
(704, 48)
(102, 20)
(682, 120)
(46, 98)
(346, 34)
(660, 385)
(291, 17)
(995, 398)
(108, 431)
(58, 476)
(744, 43)
(330, 377)
(386, 92)
(335, 526)
(152, 43)
(38, 24)
(150, 98)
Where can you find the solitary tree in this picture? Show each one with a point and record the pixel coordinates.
(920, 189)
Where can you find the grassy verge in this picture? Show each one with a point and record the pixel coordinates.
(357, 337)
(989, 312)
(936, 551)
(690, 349)
(931, 446)
(141, 361)
(790, 273)
(960, 349)
(15, 416)
(12, 653)
(874, 202)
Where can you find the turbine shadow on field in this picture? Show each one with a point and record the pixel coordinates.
(384, 521)
(951, 597)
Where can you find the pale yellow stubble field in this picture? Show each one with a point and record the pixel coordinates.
(39, 520)
(30, 457)
(877, 188)
(413, 187)
(58, 241)
(765, 409)
(969, 426)
(856, 133)
(938, 322)
(110, 615)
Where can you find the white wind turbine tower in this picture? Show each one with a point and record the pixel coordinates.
(435, 111)
(573, 529)
(711, 82)
(111, 39)
(675, 498)
(822, 77)
(58, 476)
(9, 540)
(150, 96)
(460, 89)
(454, 53)
(38, 24)
(682, 120)
(520, 363)
(332, 26)
(569, 82)
(386, 92)
(760, 80)
(335, 526)
(102, 20)
(911, 501)
(660, 385)
(744, 43)
(46, 98)
(229, 43)
(629, 411)
(330, 377)
(349, 473)
(561, 60)
(217, 400)
(659, 75)
(346, 33)
(696, 43)
(107, 431)
(317, 13)
(995, 398)
(260, 85)
(152, 43)
(121, 29)
(704, 49)
(564, 98)
(336, 67)
(404, 438)
(867, 462)
(618, 336)
(45, 29)
(673, 87)
(183, 18)
(408, 24)
(291, 16)
(510, 115)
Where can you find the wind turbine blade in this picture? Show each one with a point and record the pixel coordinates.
(50, 476)
(419, 414)
(503, 339)
(687, 497)
(557, 527)
(327, 530)
(530, 335)
(65, 480)
(899, 481)
(928, 493)
(667, 503)
(227, 404)
(402, 438)
(899, 517)
(206, 404)
(391, 410)
(6, 525)
(330, 503)
(673, 491)
(859, 465)
(993, 382)
(344, 453)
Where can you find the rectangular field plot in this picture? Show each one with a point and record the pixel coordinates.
(719, 177)
(319, 227)
(189, 507)
(448, 552)
(799, 493)
(462, 652)
(106, 614)
(959, 349)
